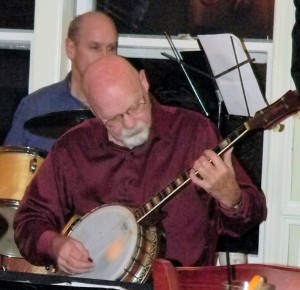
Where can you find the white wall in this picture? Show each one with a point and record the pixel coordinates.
(282, 212)
(49, 63)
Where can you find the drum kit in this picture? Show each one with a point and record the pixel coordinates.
(18, 165)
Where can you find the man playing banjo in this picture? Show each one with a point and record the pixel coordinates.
(133, 149)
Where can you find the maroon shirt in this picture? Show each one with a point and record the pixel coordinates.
(84, 170)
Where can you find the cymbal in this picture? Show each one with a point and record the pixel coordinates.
(53, 125)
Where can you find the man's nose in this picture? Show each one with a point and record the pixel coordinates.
(128, 121)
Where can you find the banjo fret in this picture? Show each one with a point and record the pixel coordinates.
(160, 198)
(182, 180)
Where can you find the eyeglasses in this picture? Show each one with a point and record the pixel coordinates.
(133, 110)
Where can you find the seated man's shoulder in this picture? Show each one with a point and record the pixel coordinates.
(53, 90)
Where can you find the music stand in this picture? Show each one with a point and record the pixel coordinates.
(233, 74)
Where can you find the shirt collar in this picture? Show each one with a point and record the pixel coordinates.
(161, 127)
(161, 121)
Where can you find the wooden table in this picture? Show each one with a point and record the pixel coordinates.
(168, 277)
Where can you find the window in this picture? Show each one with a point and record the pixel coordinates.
(245, 19)
(17, 14)
(14, 75)
(16, 22)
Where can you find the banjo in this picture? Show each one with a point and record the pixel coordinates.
(121, 244)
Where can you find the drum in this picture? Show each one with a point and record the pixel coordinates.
(121, 248)
(18, 165)
(20, 265)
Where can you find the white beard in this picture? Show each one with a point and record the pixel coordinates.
(135, 136)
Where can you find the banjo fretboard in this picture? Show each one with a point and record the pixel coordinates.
(263, 119)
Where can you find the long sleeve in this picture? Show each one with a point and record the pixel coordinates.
(84, 171)
(43, 213)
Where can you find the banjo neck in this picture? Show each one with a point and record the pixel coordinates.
(183, 180)
(266, 118)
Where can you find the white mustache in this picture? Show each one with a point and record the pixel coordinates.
(135, 136)
(133, 131)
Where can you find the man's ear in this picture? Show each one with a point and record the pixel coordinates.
(70, 48)
(144, 80)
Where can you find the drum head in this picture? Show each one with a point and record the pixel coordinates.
(110, 235)
(7, 242)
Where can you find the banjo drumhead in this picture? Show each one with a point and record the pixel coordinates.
(110, 235)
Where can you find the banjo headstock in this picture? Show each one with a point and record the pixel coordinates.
(270, 116)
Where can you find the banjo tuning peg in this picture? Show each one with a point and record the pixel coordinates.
(278, 128)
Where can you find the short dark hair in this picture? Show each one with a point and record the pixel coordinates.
(76, 22)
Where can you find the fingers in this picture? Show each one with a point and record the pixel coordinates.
(71, 256)
(79, 260)
(207, 165)
(73, 265)
(227, 157)
(217, 160)
(210, 161)
(213, 174)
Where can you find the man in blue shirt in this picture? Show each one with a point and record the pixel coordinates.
(91, 35)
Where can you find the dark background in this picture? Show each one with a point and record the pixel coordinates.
(17, 14)
(14, 75)
(244, 18)
(14, 72)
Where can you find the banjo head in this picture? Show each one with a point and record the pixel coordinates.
(110, 234)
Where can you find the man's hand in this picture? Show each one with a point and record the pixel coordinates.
(71, 256)
(217, 177)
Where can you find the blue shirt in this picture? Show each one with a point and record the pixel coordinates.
(53, 98)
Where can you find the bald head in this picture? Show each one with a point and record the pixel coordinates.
(112, 80)
(118, 96)
(110, 71)
(91, 36)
